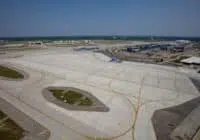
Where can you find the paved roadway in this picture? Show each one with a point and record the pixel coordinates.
(132, 91)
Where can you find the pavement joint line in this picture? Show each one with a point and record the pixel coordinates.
(43, 75)
(33, 122)
(37, 110)
(19, 98)
(136, 111)
(125, 132)
(120, 93)
(137, 108)
(109, 77)
(89, 74)
(107, 89)
(129, 81)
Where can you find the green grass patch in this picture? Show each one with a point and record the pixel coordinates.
(71, 97)
(9, 130)
(9, 73)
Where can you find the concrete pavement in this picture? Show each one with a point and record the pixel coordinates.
(132, 91)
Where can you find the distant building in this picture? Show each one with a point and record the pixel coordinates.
(183, 41)
(36, 44)
(179, 48)
(176, 49)
(87, 41)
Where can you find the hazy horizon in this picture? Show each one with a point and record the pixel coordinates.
(51, 36)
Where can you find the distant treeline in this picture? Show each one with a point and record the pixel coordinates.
(99, 38)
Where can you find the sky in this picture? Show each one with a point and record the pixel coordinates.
(99, 17)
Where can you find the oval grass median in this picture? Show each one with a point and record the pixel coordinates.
(10, 73)
(72, 97)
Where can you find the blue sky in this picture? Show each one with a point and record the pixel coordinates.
(99, 17)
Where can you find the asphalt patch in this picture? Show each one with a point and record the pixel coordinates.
(166, 120)
(34, 131)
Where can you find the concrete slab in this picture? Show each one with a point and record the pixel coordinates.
(156, 94)
(126, 88)
(118, 86)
